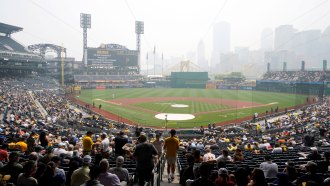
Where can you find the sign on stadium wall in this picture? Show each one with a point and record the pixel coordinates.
(112, 57)
(101, 87)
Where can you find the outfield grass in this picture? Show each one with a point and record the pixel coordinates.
(281, 100)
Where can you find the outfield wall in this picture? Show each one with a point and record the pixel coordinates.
(308, 88)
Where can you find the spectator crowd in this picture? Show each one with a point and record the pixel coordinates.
(65, 147)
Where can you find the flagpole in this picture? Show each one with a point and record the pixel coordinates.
(154, 60)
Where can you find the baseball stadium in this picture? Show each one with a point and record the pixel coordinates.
(245, 118)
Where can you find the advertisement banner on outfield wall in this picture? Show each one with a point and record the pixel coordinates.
(101, 87)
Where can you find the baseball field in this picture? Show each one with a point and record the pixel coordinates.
(184, 108)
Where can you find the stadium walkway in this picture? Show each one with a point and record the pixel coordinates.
(165, 176)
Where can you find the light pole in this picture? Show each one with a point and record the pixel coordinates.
(166, 123)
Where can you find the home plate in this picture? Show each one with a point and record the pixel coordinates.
(174, 117)
(179, 105)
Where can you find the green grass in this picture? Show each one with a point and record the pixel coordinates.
(282, 100)
(194, 106)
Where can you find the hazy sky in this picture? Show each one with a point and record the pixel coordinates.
(174, 26)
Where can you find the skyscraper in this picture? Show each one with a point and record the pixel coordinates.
(201, 60)
(283, 37)
(221, 41)
(307, 46)
(267, 40)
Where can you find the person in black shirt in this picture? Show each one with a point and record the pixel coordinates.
(311, 175)
(188, 172)
(323, 166)
(12, 168)
(205, 171)
(144, 154)
(120, 141)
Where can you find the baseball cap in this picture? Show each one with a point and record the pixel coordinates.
(87, 159)
(223, 171)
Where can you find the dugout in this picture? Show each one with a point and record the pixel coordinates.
(189, 79)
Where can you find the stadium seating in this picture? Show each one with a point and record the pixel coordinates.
(7, 43)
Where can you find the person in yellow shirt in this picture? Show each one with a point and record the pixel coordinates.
(22, 145)
(258, 128)
(88, 143)
(232, 147)
(171, 146)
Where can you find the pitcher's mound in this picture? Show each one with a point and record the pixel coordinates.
(174, 117)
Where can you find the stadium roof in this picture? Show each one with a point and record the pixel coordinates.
(9, 29)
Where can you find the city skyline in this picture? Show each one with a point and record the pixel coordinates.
(175, 30)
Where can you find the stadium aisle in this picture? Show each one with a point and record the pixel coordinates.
(165, 176)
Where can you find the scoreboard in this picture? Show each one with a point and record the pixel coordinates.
(112, 56)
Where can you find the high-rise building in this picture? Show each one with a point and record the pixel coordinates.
(267, 40)
(306, 44)
(284, 35)
(201, 60)
(221, 41)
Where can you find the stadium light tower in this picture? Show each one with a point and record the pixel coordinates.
(139, 29)
(85, 22)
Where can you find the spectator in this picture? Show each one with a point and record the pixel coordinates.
(277, 149)
(26, 178)
(258, 178)
(291, 171)
(13, 168)
(223, 178)
(198, 161)
(105, 146)
(283, 180)
(311, 175)
(120, 141)
(49, 155)
(43, 138)
(144, 153)
(224, 157)
(242, 176)
(22, 145)
(205, 172)
(208, 156)
(81, 175)
(158, 145)
(106, 178)
(122, 173)
(3, 153)
(238, 156)
(171, 146)
(94, 174)
(314, 155)
(59, 178)
(188, 172)
(269, 168)
(232, 147)
(60, 149)
(323, 165)
(308, 140)
(31, 142)
(88, 143)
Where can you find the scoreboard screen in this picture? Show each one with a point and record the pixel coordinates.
(114, 58)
